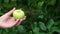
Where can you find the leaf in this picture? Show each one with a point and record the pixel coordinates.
(21, 29)
(42, 33)
(32, 3)
(51, 2)
(42, 26)
(6, 1)
(57, 22)
(36, 30)
(50, 24)
(6, 30)
(12, 33)
(13, 29)
(35, 24)
(0, 1)
(1, 13)
(30, 32)
(40, 4)
(56, 29)
(1, 31)
(1, 6)
(41, 16)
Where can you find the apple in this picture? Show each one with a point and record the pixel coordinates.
(18, 14)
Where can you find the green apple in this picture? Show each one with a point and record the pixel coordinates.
(18, 14)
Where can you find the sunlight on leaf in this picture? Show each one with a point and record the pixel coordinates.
(42, 26)
(50, 23)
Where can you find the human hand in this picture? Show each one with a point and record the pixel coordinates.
(6, 21)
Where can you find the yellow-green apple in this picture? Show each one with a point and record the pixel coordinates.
(18, 14)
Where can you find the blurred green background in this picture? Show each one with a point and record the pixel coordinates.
(43, 16)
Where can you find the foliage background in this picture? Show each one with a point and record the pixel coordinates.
(43, 16)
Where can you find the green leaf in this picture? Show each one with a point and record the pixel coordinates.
(1, 13)
(42, 33)
(36, 30)
(0, 1)
(56, 29)
(42, 26)
(32, 3)
(30, 32)
(35, 24)
(13, 29)
(51, 2)
(21, 29)
(40, 4)
(1, 31)
(6, 1)
(1, 6)
(6, 30)
(41, 16)
(50, 23)
(57, 22)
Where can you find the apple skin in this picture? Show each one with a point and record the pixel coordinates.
(18, 14)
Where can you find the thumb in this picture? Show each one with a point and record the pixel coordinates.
(10, 12)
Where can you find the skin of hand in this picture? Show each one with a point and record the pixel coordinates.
(6, 21)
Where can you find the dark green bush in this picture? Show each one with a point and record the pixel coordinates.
(43, 16)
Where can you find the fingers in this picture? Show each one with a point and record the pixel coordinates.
(4, 18)
(7, 15)
(11, 20)
(10, 23)
(10, 12)
(24, 18)
(20, 21)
